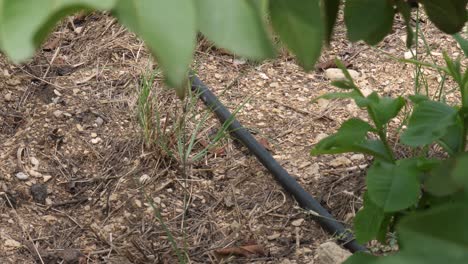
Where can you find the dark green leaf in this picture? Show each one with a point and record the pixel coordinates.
(344, 84)
(348, 95)
(351, 137)
(384, 108)
(169, 29)
(361, 258)
(351, 132)
(454, 68)
(24, 24)
(394, 187)
(369, 221)
(448, 15)
(452, 141)
(459, 171)
(429, 122)
(405, 10)
(418, 98)
(301, 28)
(368, 20)
(375, 148)
(236, 26)
(331, 8)
(462, 42)
(439, 181)
(437, 235)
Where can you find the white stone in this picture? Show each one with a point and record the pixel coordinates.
(297, 222)
(366, 91)
(409, 54)
(263, 76)
(11, 244)
(335, 74)
(22, 176)
(58, 113)
(8, 97)
(274, 85)
(144, 178)
(138, 203)
(340, 161)
(96, 140)
(99, 121)
(331, 253)
(47, 178)
(274, 236)
(320, 137)
(323, 103)
(357, 157)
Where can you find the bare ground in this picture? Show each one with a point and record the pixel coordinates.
(69, 120)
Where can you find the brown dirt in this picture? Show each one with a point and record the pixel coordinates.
(69, 119)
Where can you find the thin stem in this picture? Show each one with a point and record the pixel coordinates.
(381, 133)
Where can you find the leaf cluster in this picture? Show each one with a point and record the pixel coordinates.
(415, 197)
(170, 27)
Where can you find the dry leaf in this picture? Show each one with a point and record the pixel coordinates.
(242, 251)
(330, 64)
(264, 142)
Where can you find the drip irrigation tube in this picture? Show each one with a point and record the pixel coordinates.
(305, 200)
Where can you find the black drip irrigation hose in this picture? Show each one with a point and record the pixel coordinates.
(305, 200)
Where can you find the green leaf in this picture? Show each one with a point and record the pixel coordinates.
(452, 141)
(448, 15)
(439, 181)
(330, 96)
(24, 24)
(438, 235)
(344, 84)
(235, 25)
(331, 8)
(462, 42)
(168, 28)
(418, 98)
(369, 222)
(368, 20)
(430, 121)
(384, 108)
(351, 131)
(394, 187)
(405, 10)
(459, 170)
(301, 28)
(345, 71)
(454, 68)
(361, 258)
(351, 137)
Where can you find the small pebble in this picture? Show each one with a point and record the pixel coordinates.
(58, 113)
(96, 140)
(340, 161)
(47, 178)
(357, 157)
(335, 74)
(22, 176)
(320, 137)
(8, 97)
(99, 121)
(409, 54)
(144, 178)
(298, 222)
